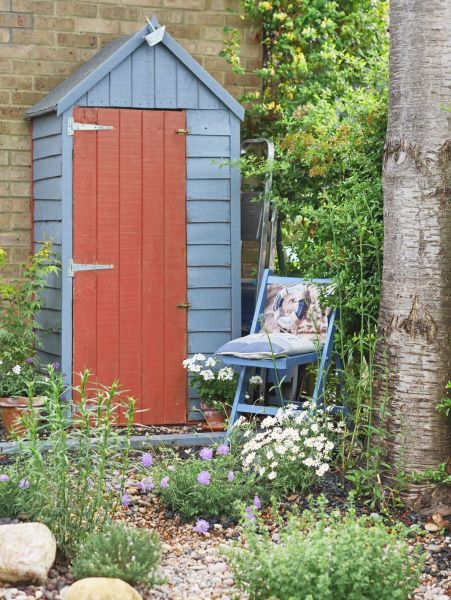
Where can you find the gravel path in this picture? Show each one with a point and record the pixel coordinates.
(194, 567)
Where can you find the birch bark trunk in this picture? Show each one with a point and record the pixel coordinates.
(415, 313)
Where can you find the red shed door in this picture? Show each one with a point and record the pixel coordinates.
(129, 212)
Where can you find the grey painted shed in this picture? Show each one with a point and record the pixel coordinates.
(129, 74)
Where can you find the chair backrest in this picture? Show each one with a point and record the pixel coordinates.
(292, 305)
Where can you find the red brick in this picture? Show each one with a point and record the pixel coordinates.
(15, 20)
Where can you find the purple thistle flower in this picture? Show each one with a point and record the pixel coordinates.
(4, 477)
(206, 454)
(257, 503)
(24, 484)
(126, 499)
(164, 483)
(147, 460)
(230, 476)
(249, 513)
(55, 365)
(204, 478)
(29, 361)
(223, 450)
(202, 526)
(146, 485)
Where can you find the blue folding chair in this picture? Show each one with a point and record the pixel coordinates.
(322, 353)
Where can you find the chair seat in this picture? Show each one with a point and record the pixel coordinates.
(264, 346)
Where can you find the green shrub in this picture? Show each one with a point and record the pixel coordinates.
(326, 557)
(203, 487)
(132, 555)
(74, 479)
(19, 305)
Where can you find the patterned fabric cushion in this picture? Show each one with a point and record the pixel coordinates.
(257, 346)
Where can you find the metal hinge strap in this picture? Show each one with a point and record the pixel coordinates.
(76, 267)
(73, 126)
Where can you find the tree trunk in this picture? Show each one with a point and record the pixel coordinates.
(414, 355)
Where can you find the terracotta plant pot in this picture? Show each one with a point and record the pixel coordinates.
(214, 419)
(11, 409)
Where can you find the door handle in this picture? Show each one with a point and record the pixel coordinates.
(185, 305)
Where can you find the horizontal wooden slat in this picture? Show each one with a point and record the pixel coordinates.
(214, 233)
(48, 146)
(209, 298)
(208, 122)
(49, 319)
(45, 168)
(47, 189)
(208, 276)
(51, 342)
(209, 320)
(47, 210)
(207, 342)
(48, 231)
(207, 168)
(45, 358)
(51, 298)
(198, 189)
(46, 125)
(203, 211)
(205, 256)
(54, 280)
(207, 146)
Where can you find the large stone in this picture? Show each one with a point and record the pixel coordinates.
(27, 551)
(101, 588)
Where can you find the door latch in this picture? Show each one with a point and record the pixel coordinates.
(182, 131)
(185, 305)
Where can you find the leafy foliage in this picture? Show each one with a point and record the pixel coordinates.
(19, 305)
(323, 101)
(119, 551)
(209, 487)
(326, 557)
(74, 487)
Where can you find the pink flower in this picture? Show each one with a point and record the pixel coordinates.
(223, 450)
(201, 526)
(206, 454)
(204, 478)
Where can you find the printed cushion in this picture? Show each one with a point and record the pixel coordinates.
(257, 346)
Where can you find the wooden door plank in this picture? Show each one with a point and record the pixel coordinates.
(175, 268)
(153, 331)
(85, 244)
(130, 244)
(108, 341)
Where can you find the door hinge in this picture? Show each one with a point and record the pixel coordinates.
(73, 126)
(182, 131)
(76, 267)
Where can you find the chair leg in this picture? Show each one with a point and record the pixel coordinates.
(239, 397)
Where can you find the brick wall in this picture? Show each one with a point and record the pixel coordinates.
(44, 41)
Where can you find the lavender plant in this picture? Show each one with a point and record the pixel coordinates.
(74, 480)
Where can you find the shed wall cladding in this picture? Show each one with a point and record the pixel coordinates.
(47, 209)
(154, 78)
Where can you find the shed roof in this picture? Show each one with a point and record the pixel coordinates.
(105, 60)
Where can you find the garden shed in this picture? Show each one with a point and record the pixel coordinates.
(133, 184)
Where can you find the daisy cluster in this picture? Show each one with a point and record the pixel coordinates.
(205, 367)
(291, 442)
(214, 382)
